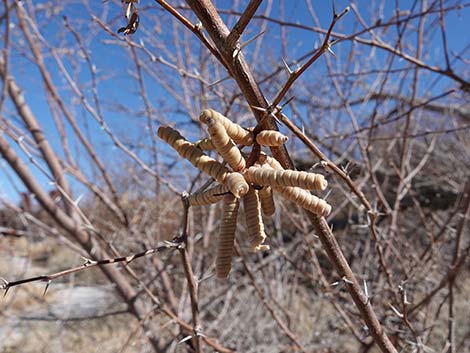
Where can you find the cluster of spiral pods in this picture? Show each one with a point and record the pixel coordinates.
(254, 185)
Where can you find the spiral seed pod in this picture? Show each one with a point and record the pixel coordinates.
(254, 221)
(304, 180)
(193, 154)
(270, 161)
(228, 227)
(208, 197)
(305, 199)
(223, 144)
(205, 144)
(237, 184)
(271, 138)
(267, 201)
(238, 134)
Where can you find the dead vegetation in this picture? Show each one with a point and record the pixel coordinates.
(89, 184)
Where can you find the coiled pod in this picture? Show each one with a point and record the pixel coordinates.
(223, 143)
(228, 226)
(254, 221)
(237, 184)
(305, 199)
(271, 138)
(238, 134)
(267, 201)
(304, 180)
(208, 197)
(193, 154)
(270, 161)
(205, 144)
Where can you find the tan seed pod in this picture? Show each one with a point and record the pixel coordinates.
(254, 221)
(238, 134)
(193, 154)
(223, 143)
(267, 201)
(305, 199)
(271, 138)
(237, 184)
(208, 197)
(270, 161)
(205, 144)
(228, 226)
(304, 180)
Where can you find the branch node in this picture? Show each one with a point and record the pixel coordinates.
(198, 27)
(5, 285)
(198, 332)
(329, 50)
(185, 199)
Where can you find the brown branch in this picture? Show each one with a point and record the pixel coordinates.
(243, 21)
(211, 20)
(355, 37)
(190, 278)
(294, 75)
(89, 263)
(196, 29)
(75, 231)
(241, 72)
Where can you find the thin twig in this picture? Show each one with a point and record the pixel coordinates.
(89, 263)
(243, 21)
(188, 271)
(326, 46)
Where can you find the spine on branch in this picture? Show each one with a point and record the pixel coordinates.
(208, 197)
(305, 199)
(254, 221)
(271, 138)
(225, 244)
(238, 134)
(237, 184)
(193, 154)
(304, 180)
(267, 201)
(222, 142)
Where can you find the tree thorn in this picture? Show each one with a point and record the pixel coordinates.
(218, 81)
(286, 66)
(244, 44)
(259, 108)
(185, 339)
(366, 291)
(328, 48)
(47, 286)
(204, 278)
(395, 310)
(286, 103)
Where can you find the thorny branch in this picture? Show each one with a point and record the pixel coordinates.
(295, 74)
(211, 20)
(190, 278)
(416, 240)
(89, 263)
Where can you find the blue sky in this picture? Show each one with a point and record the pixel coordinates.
(115, 68)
